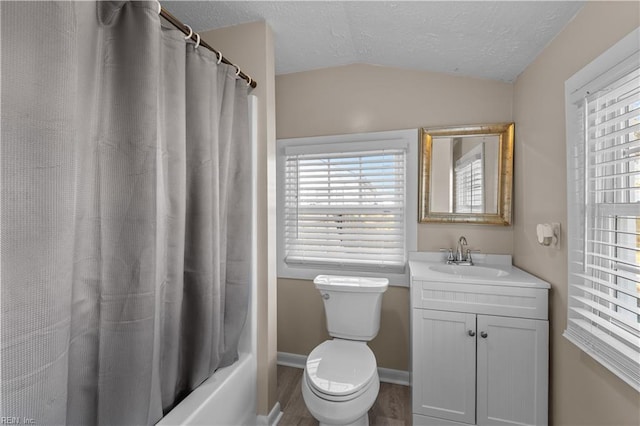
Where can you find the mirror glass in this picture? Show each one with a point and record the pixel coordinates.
(466, 174)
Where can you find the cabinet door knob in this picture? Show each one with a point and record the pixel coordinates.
(471, 333)
(483, 334)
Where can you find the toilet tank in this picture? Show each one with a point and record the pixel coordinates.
(352, 305)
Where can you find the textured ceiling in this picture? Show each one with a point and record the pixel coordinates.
(485, 39)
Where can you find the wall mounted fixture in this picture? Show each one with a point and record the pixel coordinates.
(548, 234)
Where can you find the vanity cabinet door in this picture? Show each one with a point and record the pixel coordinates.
(444, 363)
(512, 371)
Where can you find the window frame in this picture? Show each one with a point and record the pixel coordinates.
(407, 139)
(604, 71)
(468, 160)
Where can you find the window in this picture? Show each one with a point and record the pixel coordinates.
(346, 204)
(468, 177)
(603, 183)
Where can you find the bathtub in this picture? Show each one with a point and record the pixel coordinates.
(229, 397)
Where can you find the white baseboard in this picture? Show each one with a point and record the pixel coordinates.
(387, 375)
(398, 377)
(272, 418)
(292, 360)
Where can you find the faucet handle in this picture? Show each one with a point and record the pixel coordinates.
(469, 251)
(449, 254)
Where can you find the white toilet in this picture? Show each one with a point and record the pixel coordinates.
(340, 382)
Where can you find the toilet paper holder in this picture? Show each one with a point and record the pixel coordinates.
(548, 234)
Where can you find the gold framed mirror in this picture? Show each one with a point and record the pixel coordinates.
(466, 174)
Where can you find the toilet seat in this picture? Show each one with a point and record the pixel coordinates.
(340, 370)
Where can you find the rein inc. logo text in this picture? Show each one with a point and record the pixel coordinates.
(16, 421)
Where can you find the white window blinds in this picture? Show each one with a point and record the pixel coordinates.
(604, 222)
(346, 208)
(468, 182)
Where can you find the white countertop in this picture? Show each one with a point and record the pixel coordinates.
(420, 263)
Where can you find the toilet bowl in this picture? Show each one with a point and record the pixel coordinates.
(340, 382)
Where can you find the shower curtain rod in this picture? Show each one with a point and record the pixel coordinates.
(182, 27)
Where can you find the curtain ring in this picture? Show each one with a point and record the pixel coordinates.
(219, 53)
(197, 42)
(159, 8)
(190, 32)
(249, 82)
(237, 70)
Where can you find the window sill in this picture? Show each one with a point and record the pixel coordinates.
(396, 279)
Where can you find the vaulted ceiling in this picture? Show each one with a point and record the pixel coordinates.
(485, 39)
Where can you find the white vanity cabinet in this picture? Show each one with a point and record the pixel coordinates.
(479, 349)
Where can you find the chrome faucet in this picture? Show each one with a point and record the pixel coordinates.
(461, 256)
(462, 241)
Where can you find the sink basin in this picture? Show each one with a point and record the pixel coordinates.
(470, 271)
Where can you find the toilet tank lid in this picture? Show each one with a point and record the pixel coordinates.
(347, 283)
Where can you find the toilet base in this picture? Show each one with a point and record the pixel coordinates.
(362, 421)
(347, 413)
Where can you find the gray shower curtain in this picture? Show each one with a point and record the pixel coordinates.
(125, 206)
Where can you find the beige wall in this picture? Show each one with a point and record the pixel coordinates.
(251, 47)
(582, 391)
(441, 175)
(366, 98)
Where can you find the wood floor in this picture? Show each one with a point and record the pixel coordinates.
(392, 407)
